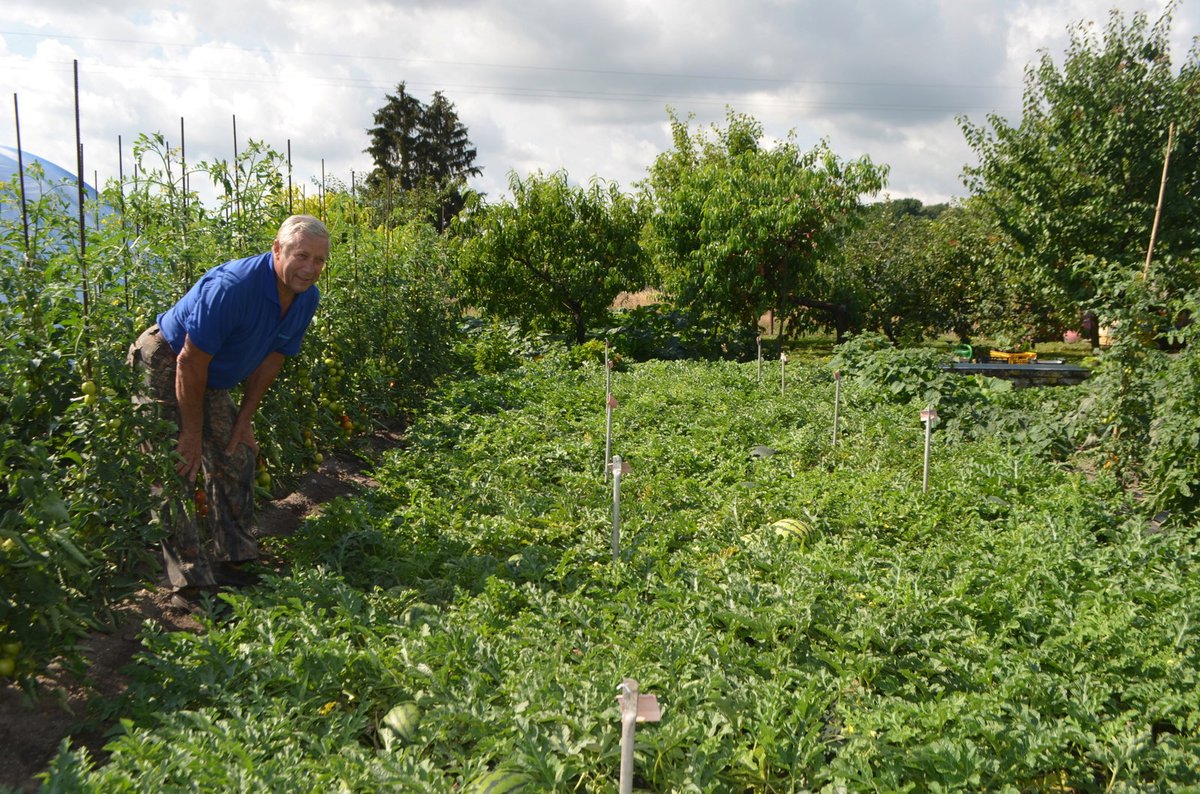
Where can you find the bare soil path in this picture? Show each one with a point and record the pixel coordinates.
(31, 732)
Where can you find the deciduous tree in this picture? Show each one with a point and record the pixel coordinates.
(554, 256)
(738, 226)
(1076, 181)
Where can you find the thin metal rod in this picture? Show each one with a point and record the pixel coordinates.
(79, 184)
(616, 533)
(837, 398)
(124, 228)
(21, 172)
(928, 438)
(289, 161)
(237, 188)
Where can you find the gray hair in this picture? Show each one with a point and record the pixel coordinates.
(298, 225)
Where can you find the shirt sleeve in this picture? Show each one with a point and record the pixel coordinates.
(214, 315)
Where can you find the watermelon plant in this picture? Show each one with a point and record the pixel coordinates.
(464, 626)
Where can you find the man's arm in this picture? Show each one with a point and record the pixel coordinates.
(252, 393)
(191, 379)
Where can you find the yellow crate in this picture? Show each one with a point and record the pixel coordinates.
(1012, 358)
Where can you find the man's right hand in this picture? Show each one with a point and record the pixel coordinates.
(191, 379)
(189, 450)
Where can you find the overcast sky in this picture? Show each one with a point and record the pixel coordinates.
(540, 85)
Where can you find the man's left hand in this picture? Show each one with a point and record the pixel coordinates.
(243, 433)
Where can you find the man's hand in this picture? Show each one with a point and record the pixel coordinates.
(189, 449)
(243, 433)
(191, 379)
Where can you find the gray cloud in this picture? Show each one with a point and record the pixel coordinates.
(540, 85)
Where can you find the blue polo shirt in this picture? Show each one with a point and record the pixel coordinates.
(232, 313)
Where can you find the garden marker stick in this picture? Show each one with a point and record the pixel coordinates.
(928, 416)
(607, 369)
(635, 708)
(758, 340)
(782, 372)
(837, 396)
(610, 403)
(618, 468)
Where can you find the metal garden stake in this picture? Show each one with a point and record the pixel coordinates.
(837, 396)
(607, 369)
(928, 416)
(758, 340)
(619, 467)
(610, 403)
(635, 708)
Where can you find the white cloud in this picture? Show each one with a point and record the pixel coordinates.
(542, 85)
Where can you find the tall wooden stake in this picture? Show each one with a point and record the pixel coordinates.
(1162, 189)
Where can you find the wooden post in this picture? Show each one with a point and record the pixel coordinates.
(1162, 189)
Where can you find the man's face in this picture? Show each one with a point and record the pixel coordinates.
(299, 263)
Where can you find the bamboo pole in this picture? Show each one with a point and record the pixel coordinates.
(1162, 189)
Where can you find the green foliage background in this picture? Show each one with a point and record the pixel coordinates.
(1015, 628)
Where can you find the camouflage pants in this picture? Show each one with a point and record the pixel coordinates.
(189, 547)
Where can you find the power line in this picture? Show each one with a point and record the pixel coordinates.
(511, 66)
(704, 98)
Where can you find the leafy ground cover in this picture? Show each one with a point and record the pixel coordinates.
(1020, 626)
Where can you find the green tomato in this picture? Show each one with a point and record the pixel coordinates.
(8, 666)
(11, 648)
(88, 387)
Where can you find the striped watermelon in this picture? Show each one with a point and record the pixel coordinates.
(791, 528)
(500, 781)
(400, 725)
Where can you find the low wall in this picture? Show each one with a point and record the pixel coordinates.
(1024, 375)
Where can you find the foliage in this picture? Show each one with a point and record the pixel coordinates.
(73, 523)
(969, 408)
(909, 275)
(1076, 182)
(1012, 629)
(1139, 416)
(76, 523)
(555, 256)
(657, 331)
(739, 227)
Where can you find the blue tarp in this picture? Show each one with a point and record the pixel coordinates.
(57, 179)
